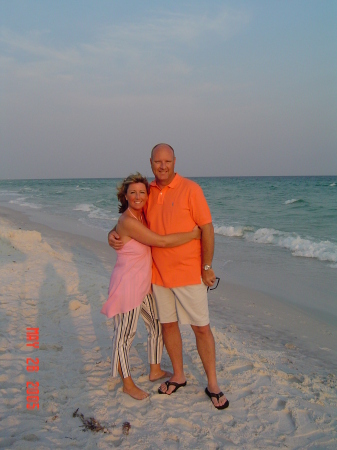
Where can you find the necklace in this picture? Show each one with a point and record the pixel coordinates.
(141, 216)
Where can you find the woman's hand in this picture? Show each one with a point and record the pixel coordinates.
(196, 230)
(114, 240)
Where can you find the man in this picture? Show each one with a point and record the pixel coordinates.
(180, 275)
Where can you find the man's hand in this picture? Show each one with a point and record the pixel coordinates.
(208, 277)
(114, 240)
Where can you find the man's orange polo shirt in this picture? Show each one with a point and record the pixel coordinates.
(176, 208)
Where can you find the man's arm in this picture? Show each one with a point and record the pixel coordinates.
(207, 251)
(114, 239)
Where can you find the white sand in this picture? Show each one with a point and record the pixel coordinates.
(282, 389)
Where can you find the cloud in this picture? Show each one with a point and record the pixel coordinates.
(31, 48)
(28, 58)
(171, 29)
(149, 53)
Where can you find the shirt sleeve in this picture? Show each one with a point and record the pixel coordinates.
(199, 207)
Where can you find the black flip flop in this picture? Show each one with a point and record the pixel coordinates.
(217, 396)
(172, 383)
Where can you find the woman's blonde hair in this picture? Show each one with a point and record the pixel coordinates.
(122, 189)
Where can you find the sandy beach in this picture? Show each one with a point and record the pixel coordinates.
(276, 365)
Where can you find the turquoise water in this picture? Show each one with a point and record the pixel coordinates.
(277, 235)
(294, 213)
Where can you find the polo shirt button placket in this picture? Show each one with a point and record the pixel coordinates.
(160, 198)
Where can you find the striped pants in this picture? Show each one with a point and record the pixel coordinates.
(125, 325)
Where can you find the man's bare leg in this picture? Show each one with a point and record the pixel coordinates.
(174, 347)
(206, 349)
(156, 372)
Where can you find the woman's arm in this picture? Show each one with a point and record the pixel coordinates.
(136, 230)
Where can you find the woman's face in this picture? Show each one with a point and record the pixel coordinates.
(136, 196)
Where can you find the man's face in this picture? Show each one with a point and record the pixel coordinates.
(162, 165)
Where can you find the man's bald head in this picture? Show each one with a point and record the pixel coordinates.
(161, 145)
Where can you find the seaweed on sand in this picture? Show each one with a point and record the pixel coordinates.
(90, 423)
(126, 428)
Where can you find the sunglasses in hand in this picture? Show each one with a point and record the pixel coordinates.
(215, 285)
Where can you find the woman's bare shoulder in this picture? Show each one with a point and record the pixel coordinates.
(125, 223)
(122, 227)
(125, 220)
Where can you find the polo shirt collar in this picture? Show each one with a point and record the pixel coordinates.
(172, 185)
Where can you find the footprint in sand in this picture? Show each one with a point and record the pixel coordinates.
(278, 404)
(241, 368)
(290, 346)
(286, 423)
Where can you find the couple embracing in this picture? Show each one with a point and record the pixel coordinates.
(170, 217)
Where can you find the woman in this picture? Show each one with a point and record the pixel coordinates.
(130, 283)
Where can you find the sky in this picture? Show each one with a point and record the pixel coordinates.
(238, 88)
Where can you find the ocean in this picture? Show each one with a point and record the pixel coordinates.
(277, 235)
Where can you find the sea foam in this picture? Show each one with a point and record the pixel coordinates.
(323, 250)
(21, 202)
(94, 212)
(231, 231)
(85, 207)
(289, 202)
(307, 248)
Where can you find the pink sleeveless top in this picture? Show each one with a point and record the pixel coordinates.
(130, 280)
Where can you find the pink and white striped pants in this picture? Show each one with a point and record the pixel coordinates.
(125, 325)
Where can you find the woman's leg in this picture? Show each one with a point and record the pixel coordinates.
(125, 330)
(155, 338)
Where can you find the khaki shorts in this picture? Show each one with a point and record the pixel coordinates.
(186, 304)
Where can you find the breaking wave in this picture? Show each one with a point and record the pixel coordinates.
(21, 202)
(306, 248)
(293, 200)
